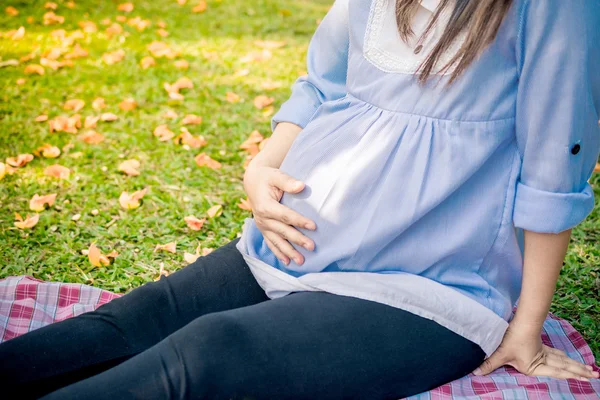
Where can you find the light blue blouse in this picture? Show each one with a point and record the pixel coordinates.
(420, 193)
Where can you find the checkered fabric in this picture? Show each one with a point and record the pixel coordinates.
(27, 304)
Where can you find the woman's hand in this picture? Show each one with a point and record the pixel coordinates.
(523, 350)
(264, 187)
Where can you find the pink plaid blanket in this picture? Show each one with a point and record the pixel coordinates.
(27, 304)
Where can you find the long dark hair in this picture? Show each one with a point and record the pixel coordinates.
(480, 18)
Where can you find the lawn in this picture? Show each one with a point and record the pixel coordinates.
(235, 51)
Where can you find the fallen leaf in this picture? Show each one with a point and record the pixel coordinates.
(97, 259)
(269, 44)
(232, 97)
(132, 201)
(170, 114)
(28, 222)
(163, 133)
(92, 137)
(242, 72)
(263, 101)
(38, 203)
(130, 167)
(51, 5)
(214, 211)
(9, 63)
(77, 52)
(74, 105)
(114, 29)
(176, 96)
(88, 26)
(125, 7)
(181, 64)
(185, 137)
(55, 65)
(19, 161)
(147, 62)
(65, 124)
(47, 151)
(128, 104)
(98, 103)
(162, 33)
(57, 171)
(161, 49)
(245, 204)
(206, 251)
(113, 57)
(161, 24)
(181, 2)
(34, 69)
(269, 85)
(108, 117)
(121, 18)
(200, 7)
(10, 10)
(194, 223)
(50, 18)
(597, 167)
(257, 56)
(190, 258)
(21, 81)
(203, 160)
(18, 34)
(2, 170)
(90, 121)
(191, 119)
(41, 118)
(139, 23)
(169, 247)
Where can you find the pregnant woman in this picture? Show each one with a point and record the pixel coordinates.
(423, 177)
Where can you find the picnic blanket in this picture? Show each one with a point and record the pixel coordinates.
(27, 304)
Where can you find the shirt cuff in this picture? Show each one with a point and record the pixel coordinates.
(295, 111)
(550, 212)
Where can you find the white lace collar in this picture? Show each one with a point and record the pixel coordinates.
(430, 5)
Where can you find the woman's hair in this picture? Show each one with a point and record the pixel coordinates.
(480, 18)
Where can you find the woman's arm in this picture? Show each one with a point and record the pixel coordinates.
(277, 146)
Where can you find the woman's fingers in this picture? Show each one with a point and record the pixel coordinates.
(279, 212)
(285, 182)
(560, 360)
(289, 233)
(284, 247)
(284, 259)
(555, 372)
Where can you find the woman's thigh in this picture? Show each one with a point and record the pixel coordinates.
(303, 346)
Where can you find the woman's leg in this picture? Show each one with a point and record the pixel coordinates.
(306, 345)
(61, 353)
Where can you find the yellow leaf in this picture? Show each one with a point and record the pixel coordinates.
(34, 69)
(18, 34)
(74, 105)
(169, 247)
(47, 151)
(97, 259)
(132, 201)
(204, 160)
(2, 170)
(214, 211)
(28, 223)
(130, 167)
(38, 203)
(194, 223)
(57, 171)
(19, 161)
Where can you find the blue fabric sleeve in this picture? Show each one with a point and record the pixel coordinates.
(327, 63)
(558, 99)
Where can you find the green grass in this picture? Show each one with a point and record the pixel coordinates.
(214, 43)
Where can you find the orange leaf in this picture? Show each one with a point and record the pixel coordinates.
(190, 258)
(128, 104)
(47, 151)
(200, 8)
(57, 171)
(77, 52)
(38, 203)
(74, 105)
(269, 44)
(257, 56)
(129, 167)
(28, 223)
(147, 62)
(203, 160)
(114, 29)
(170, 114)
(21, 81)
(132, 201)
(51, 6)
(50, 18)
(19, 161)
(269, 85)
(90, 122)
(187, 138)
(113, 57)
(125, 7)
(232, 97)
(194, 223)
(169, 247)
(97, 259)
(181, 2)
(263, 101)
(163, 133)
(88, 26)
(34, 69)
(244, 204)
(207, 251)
(108, 117)
(181, 64)
(98, 103)
(121, 18)
(161, 49)
(214, 211)
(41, 118)
(2, 170)
(92, 137)
(162, 33)
(191, 119)
(10, 10)
(16, 35)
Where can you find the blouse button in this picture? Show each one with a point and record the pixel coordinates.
(575, 149)
(418, 49)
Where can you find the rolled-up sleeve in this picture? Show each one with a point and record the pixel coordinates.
(558, 135)
(327, 64)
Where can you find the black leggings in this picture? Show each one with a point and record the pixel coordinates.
(208, 331)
